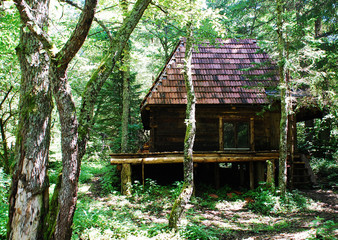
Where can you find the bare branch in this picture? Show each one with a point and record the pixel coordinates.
(6, 95)
(78, 36)
(159, 7)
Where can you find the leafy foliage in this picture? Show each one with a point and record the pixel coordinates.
(324, 229)
(266, 201)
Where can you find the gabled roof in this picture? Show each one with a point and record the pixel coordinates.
(232, 72)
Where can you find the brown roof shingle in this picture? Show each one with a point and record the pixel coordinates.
(233, 72)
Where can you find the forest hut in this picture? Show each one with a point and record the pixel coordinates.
(237, 115)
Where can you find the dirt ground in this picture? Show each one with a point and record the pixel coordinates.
(241, 222)
(290, 226)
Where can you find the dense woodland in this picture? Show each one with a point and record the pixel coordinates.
(73, 75)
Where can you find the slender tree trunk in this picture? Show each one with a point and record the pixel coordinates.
(6, 163)
(29, 191)
(65, 206)
(5, 157)
(283, 147)
(67, 196)
(126, 168)
(188, 186)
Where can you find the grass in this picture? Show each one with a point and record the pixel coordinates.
(102, 213)
(211, 214)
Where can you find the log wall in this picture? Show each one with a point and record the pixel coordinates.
(167, 127)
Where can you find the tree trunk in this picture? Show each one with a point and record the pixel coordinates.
(67, 196)
(126, 168)
(73, 140)
(29, 191)
(188, 186)
(5, 157)
(283, 149)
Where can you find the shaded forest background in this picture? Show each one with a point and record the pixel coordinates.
(310, 30)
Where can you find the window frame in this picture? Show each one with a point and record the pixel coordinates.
(237, 119)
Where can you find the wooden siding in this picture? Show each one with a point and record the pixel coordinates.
(167, 128)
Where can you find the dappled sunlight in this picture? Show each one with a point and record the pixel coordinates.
(234, 206)
(144, 215)
(83, 189)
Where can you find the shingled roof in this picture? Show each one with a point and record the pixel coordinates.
(231, 72)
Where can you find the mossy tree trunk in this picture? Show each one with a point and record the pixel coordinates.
(283, 85)
(188, 186)
(125, 70)
(74, 133)
(29, 196)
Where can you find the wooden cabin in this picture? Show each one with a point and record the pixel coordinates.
(237, 116)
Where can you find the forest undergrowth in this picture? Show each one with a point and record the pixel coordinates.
(103, 213)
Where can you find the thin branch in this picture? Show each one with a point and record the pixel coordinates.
(326, 34)
(159, 7)
(8, 92)
(95, 19)
(110, 7)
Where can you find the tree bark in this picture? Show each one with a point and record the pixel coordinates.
(5, 158)
(29, 190)
(126, 184)
(283, 148)
(188, 186)
(67, 194)
(73, 138)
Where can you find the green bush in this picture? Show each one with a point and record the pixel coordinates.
(110, 180)
(197, 231)
(266, 201)
(324, 229)
(326, 171)
(4, 189)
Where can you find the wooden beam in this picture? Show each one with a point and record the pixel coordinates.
(252, 175)
(197, 159)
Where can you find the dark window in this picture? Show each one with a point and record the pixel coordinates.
(236, 135)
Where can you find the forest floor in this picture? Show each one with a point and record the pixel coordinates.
(211, 214)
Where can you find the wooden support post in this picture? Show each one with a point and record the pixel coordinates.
(252, 134)
(241, 174)
(252, 175)
(260, 171)
(270, 173)
(126, 179)
(143, 175)
(216, 169)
